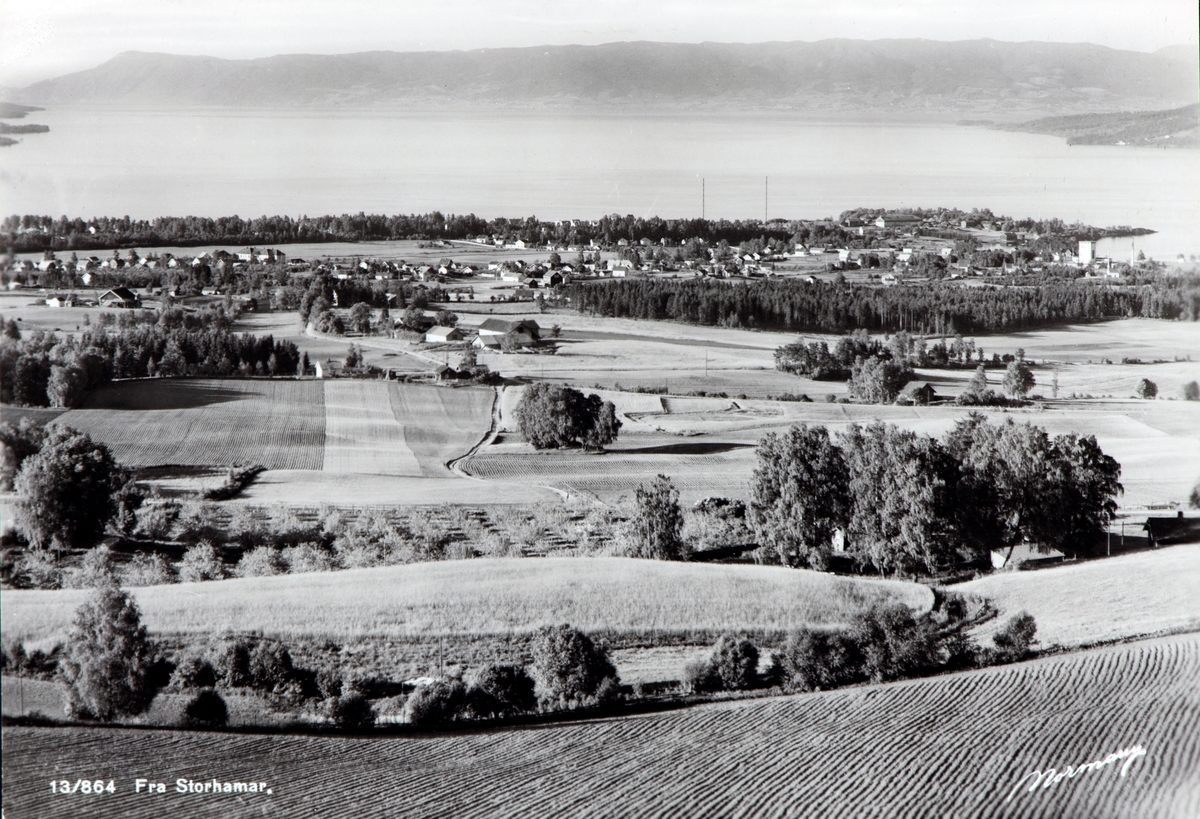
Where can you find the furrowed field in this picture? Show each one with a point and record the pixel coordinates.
(485, 596)
(964, 745)
(208, 422)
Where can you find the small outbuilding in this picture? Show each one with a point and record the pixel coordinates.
(917, 392)
(443, 335)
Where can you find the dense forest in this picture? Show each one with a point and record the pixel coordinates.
(45, 369)
(791, 305)
(24, 234)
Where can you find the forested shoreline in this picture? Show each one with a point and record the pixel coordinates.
(33, 233)
(934, 309)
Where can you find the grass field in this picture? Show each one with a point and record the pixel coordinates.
(1077, 604)
(952, 746)
(487, 596)
(209, 422)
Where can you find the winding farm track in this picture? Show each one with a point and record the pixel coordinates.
(952, 746)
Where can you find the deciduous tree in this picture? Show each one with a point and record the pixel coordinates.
(657, 523)
(801, 494)
(68, 491)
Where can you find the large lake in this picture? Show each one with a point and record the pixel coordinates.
(214, 163)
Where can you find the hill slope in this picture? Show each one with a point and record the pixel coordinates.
(951, 746)
(830, 75)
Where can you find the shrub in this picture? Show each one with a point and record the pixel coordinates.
(352, 712)
(233, 664)
(205, 710)
(107, 666)
(735, 663)
(569, 668)
(500, 690)
(261, 561)
(438, 703)
(201, 563)
(1146, 389)
(155, 521)
(1191, 391)
(733, 666)
(96, 569)
(194, 671)
(817, 660)
(270, 666)
(39, 570)
(894, 643)
(1016, 639)
(308, 557)
(148, 569)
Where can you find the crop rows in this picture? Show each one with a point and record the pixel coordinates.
(952, 746)
(362, 434)
(208, 422)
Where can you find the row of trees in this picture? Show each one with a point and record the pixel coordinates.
(790, 305)
(48, 370)
(902, 502)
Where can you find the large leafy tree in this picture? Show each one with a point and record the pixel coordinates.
(1018, 379)
(16, 444)
(1018, 485)
(903, 488)
(874, 380)
(554, 417)
(68, 491)
(801, 494)
(108, 666)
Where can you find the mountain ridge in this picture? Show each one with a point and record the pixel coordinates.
(833, 75)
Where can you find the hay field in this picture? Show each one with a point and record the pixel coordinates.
(1082, 603)
(954, 746)
(362, 436)
(208, 422)
(485, 596)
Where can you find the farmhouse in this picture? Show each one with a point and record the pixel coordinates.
(120, 297)
(526, 330)
(443, 335)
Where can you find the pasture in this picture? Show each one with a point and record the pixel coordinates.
(1078, 604)
(960, 745)
(485, 596)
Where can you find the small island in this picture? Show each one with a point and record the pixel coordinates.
(12, 110)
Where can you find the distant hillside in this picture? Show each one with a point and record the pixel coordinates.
(1176, 128)
(913, 77)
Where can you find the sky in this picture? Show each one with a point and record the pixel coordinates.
(47, 38)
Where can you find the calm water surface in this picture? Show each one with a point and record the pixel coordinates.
(214, 163)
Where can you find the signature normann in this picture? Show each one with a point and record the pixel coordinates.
(1051, 777)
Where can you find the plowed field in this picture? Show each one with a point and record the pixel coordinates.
(965, 745)
(208, 422)
(361, 433)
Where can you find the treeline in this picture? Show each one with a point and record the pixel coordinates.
(45, 369)
(24, 234)
(895, 501)
(790, 305)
